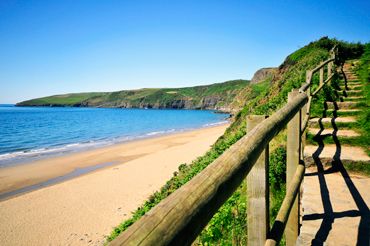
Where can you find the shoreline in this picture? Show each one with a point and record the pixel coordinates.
(85, 210)
(41, 174)
(73, 106)
(42, 153)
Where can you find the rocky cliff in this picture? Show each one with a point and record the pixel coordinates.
(263, 74)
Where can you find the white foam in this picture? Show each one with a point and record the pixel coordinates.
(216, 123)
(32, 154)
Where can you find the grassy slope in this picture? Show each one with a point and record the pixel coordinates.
(228, 226)
(364, 118)
(66, 99)
(224, 93)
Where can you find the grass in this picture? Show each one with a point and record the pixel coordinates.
(66, 99)
(343, 125)
(363, 70)
(358, 167)
(228, 226)
(353, 141)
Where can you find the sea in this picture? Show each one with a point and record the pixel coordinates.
(32, 133)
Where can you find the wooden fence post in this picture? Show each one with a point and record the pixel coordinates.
(293, 156)
(258, 193)
(330, 66)
(308, 76)
(321, 76)
(304, 114)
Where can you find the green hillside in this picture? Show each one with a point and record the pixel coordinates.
(215, 96)
(60, 100)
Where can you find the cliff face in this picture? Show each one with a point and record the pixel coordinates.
(263, 74)
(213, 102)
(208, 102)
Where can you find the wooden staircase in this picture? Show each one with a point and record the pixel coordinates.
(335, 203)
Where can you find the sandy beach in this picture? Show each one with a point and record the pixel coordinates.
(85, 209)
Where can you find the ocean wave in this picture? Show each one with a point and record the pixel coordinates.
(216, 123)
(155, 133)
(8, 159)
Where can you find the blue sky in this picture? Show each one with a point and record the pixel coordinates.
(55, 47)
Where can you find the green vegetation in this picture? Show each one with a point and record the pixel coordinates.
(228, 226)
(353, 141)
(59, 100)
(214, 96)
(363, 70)
(358, 167)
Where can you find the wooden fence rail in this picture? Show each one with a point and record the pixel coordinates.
(288, 215)
(178, 219)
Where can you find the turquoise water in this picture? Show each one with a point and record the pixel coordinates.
(30, 133)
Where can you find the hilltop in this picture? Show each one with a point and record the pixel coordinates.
(218, 96)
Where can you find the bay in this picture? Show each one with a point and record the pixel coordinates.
(31, 133)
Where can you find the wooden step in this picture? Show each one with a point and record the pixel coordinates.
(316, 121)
(350, 153)
(351, 87)
(352, 92)
(354, 83)
(346, 110)
(330, 131)
(353, 98)
(340, 105)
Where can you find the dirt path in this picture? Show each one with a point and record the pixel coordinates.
(334, 208)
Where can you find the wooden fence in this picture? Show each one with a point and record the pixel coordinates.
(178, 219)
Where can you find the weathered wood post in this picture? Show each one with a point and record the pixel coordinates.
(293, 156)
(308, 76)
(321, 76)
(305, 110)
(330, 67)
(332, 64)
(258, 193)
(304, 115)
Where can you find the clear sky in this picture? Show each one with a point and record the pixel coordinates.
(54, 47)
